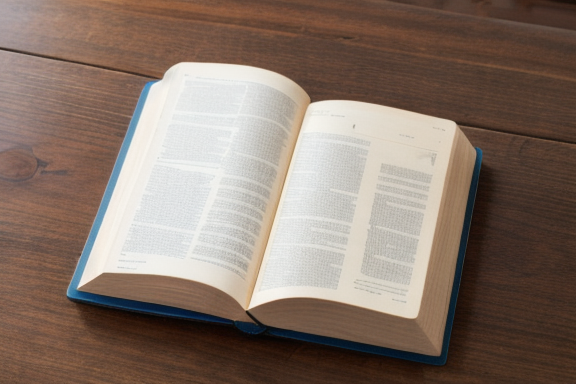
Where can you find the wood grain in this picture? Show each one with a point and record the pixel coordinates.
(515, 319)
(497, 75)
(552, 13)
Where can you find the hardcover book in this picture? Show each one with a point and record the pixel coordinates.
(236, 200)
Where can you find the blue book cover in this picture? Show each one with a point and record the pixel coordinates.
(75, 295)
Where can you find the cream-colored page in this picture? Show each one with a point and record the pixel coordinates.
(358, 211)
(122, 194)
(203, 202)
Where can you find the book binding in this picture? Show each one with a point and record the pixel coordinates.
(136, 306)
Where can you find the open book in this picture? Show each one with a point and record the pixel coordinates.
(234, 199)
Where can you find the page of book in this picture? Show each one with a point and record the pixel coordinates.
(358, 211)
(198, 202)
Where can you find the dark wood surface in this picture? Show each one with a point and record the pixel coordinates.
(70, 76)
(552, 13)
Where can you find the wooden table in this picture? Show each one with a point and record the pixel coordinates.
(70, 76)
